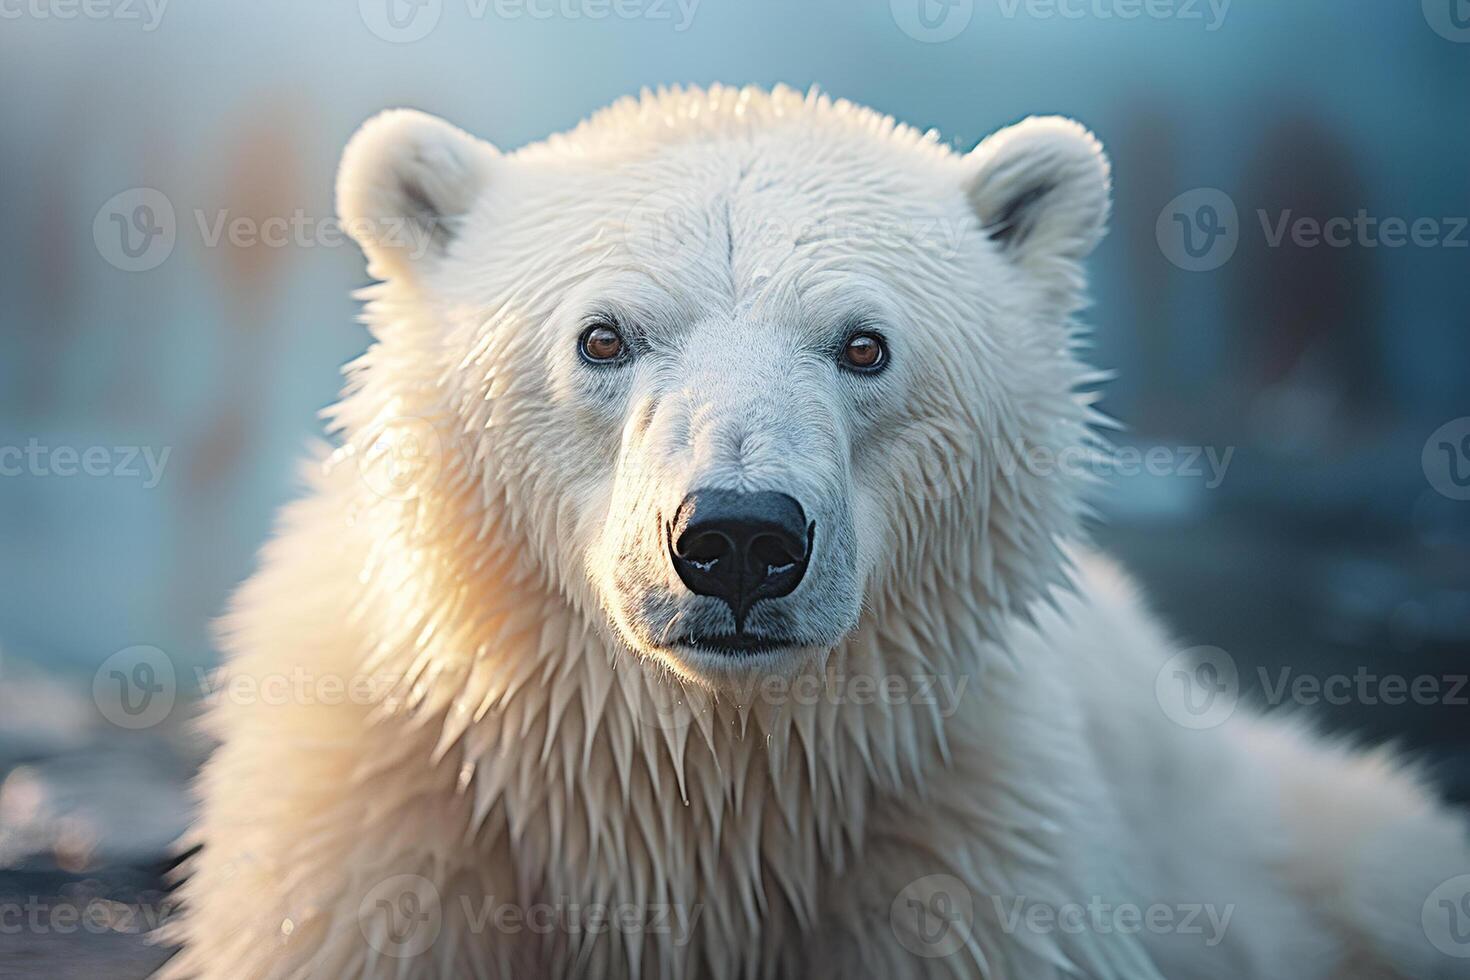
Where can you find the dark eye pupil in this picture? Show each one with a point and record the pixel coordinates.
(602, 343)
(863, 351)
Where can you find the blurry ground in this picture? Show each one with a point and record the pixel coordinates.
(87, 811)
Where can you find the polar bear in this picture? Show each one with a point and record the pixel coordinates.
(672, 608)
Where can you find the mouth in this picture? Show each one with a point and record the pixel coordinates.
(738, 644)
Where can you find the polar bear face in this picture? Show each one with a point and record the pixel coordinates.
(736, 370)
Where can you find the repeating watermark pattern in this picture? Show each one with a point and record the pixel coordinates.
(1198, 688)
(1201, 687)
(937, 21)
(1446, 917)
(1446, 459)
(1363, 687)
(402, 458)
(1099, 916)
(36, 459)
(138, 229)
(1449, 18)
(1362, 230)
(135, 229)
(97, 916)
(942, 466)
(933, 916)
(147, 14)
(402, 916)
(569, 917)
(299, 686)
(1206, 463)
(135, 688)
(413, 236)
(1210, 14)
(1199, 230)
(932, 21)
(406, 21)
(666, 710)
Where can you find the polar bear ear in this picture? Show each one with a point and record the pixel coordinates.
(1041, 190)
(406, 181)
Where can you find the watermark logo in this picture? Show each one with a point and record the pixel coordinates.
(401, 458)
(1199, 230)
(401, 21)
(135, 688)
(401, 916)
(664, 225)
(1446, 459)
(1449, 18)
(933, 916)
(932, 21)
(1446, 917)
(136, 229)
(1198, 688)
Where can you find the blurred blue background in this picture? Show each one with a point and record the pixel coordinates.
(1325, 548)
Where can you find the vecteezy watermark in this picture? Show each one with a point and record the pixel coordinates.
(98, 916)
(1206, 463)
(123, 462)
(933, 916)
(932, 21)
(1363, 687)
(1201, 687)
(135, 688)
(413, 236)
(668, 710)
(569, 917)
(1449, 18)
(299, 686)
(136, 230)
(1199, 230)
(1363, 230)
(1446, 459)
(406, 21)
(147, 13)
(403, 915)
(401, 458)
(1198, 688)
(1101, 917)
(1210, 14)
(1446, 917)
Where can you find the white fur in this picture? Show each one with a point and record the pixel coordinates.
(535, 739)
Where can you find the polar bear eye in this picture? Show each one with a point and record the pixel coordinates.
(601, 343)
(864, 352)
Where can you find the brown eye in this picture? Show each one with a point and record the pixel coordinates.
(863, 352)
(602, 342)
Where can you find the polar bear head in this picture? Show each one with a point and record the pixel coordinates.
(735, 374)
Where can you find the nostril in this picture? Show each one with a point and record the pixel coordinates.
(774, 552)
(704, 549)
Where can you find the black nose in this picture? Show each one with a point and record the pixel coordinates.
(740, 547)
